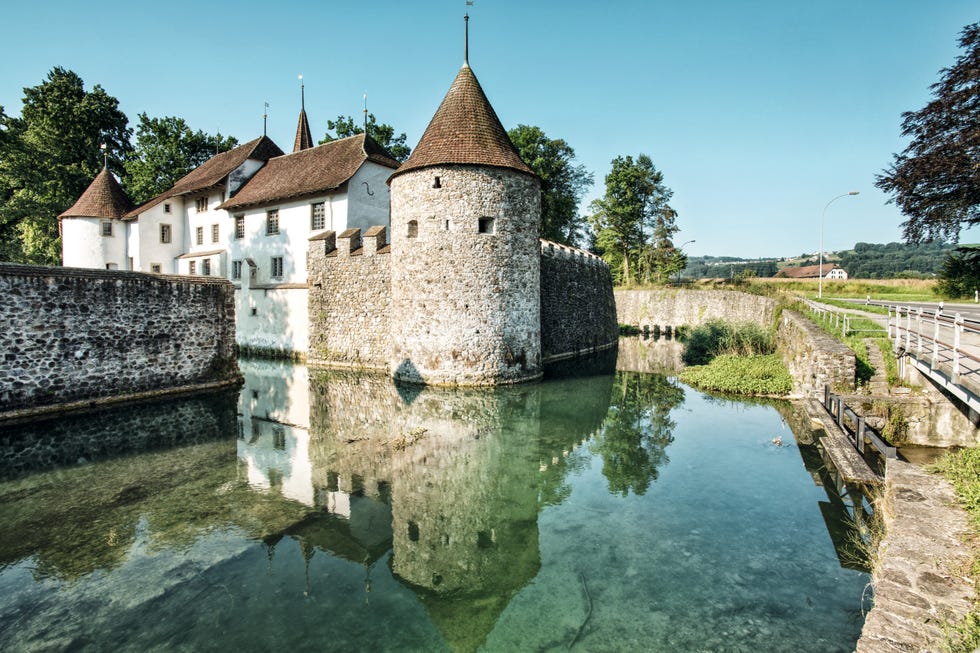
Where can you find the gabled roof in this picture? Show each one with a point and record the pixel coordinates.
(304, 139)
(465, 130)
(103, 198)
(320, 169)
(215, 170)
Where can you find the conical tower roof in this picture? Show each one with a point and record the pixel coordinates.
(465, 130)
(304, 140)
(104, 198)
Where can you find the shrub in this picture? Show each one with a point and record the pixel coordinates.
(717, 337)
(740, 374)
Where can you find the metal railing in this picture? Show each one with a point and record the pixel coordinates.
(936, 338)
(838, 318)
(854, 426)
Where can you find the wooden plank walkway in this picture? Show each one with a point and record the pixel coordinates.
(849, 463)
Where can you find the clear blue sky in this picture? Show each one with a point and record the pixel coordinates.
(757, 111)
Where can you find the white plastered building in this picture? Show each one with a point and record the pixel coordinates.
(245, 215)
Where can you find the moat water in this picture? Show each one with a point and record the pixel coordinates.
(320, 511)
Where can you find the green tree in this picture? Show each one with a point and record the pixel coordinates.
(635, 196)
(166, 150)
(48, 156)
(383, 134)
(960, 274)
(935, 181)
(562, 183)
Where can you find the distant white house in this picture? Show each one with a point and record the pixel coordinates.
(245, 215)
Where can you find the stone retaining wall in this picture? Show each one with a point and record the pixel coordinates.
(814, 357)
(71, 334)
(578, 309)
(674, 307)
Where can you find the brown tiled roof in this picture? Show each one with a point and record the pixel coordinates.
(320, 169)
(215, 170)
(465, 130)
(103, 198)
(304, 139)
(807, 271)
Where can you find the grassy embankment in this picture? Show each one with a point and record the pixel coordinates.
(962, 469)
(734, 358)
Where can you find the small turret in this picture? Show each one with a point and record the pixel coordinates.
(93, 226)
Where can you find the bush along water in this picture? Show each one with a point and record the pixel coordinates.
(737, 358)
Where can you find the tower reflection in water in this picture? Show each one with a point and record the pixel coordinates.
(450, 480)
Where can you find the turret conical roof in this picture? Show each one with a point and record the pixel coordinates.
(465, 130)
(104, 198)
(304, 139)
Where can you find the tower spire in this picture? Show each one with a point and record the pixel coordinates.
(304, 139)
(466, 34)
(265, 118)
(365, 112)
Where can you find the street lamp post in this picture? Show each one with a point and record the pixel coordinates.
(822, 214)
(680, 249)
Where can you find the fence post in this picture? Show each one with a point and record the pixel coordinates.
(957, 329)
(898, 326)
(935, 340)
(888, 323)
(918, 330)
(859, 434)
(840, 414)
(846, 326)
(908, 328)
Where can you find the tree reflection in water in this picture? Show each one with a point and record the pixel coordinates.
(637, 430)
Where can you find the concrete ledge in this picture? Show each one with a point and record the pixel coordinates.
(19, 416)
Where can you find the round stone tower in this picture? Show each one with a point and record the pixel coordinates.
(465, 273)
(93, 234)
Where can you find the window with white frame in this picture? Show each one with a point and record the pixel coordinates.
(206, 267)
(166, 207)
(236, 269)
(215, 233)
(272, 222)
(106, 228)
(318, 216)
(276, 267)
(202, 204)
(239, 226)
(156, 268)
(199, 235)
(166, 233)
(192, 267)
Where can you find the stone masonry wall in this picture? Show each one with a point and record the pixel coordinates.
(681, 307)
(350, 299)
(465, 279)
(71, 334)
(578, 310)
(813, 357)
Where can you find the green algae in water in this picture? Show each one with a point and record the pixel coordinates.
(613, 512)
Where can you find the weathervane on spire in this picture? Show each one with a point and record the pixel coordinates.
(265, 118)
(466, 41)
(105, 154)
(302, 94)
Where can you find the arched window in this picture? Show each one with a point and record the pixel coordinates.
(413, 229)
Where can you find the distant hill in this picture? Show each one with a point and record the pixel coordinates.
(865, 261)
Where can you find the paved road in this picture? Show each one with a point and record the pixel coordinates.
(969, 311)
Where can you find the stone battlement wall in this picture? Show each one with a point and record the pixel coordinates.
(674, 307)
(578, 309)
(349, 280)
(76, 335)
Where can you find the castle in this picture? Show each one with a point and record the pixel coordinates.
(465, 292)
